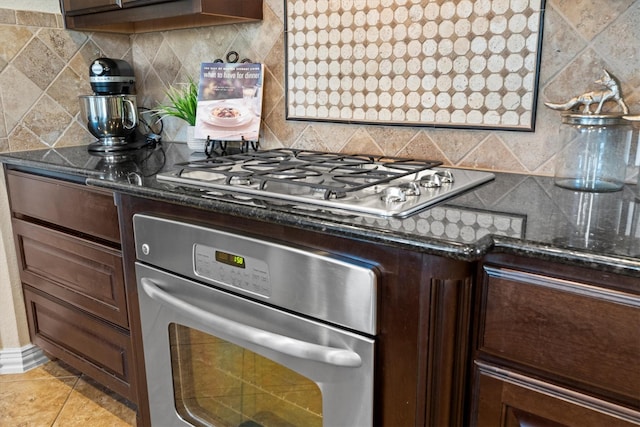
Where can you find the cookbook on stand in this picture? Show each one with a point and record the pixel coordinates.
(229, 101)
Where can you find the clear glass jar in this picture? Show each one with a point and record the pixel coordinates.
(594, 153)
(637, 162)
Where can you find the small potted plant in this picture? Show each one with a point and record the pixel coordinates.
(182, 104)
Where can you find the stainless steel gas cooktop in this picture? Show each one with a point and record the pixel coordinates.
(380, 186)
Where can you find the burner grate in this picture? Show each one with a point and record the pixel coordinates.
(334, 174)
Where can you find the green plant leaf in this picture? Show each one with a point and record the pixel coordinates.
(183, 103)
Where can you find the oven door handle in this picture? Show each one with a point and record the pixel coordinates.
(276, 342)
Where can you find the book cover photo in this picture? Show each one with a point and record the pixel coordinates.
(229, 101)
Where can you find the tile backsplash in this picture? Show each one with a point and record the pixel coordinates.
(432, 63)
(43, 68)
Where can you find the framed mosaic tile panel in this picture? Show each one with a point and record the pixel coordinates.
(438, 63)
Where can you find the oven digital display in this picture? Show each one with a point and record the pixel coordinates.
(230, 259)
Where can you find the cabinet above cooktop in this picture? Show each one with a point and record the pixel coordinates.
(140, 16)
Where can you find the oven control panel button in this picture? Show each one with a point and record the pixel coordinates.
(232, 270)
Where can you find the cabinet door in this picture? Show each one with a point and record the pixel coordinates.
(568, 332)
(510, 400)
(83, 7)
(135, 3)
(79, 7)
(90, 345)
(82, 273)
(141, 16)
(79, 209)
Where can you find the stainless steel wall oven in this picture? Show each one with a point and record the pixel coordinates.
(241, 331)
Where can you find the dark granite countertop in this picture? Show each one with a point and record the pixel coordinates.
(520, 214)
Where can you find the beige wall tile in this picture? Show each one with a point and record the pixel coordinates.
(3, 128)
(13, 40)
(21, 139)
(145, 46)
(262, 36)
(36, 19)
(423, 147)
(619, 44)
(113, 45)
(167, 64)
(455, 144)
(560, 45)
(64, 43)
(590, 17)
(65, 87)
(75, 134)
(43, 69)
(390, 138)
(492, 154)
(189, 47)
(18, 93)
(44, 120)
(39, 63)
(335, 135)
(151, 90)
(580, 39)
(81, 61)
(7, 16)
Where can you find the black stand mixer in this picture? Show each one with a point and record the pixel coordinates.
(111, 114)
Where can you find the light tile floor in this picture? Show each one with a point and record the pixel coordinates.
(56, 395)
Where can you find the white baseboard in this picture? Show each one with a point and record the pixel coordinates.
(19, 360)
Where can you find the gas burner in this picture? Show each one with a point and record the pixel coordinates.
(293, 173)
(364, 184)
(240, 180)
(322, 193)
(436, 179)
(399, 194)
(209, 163)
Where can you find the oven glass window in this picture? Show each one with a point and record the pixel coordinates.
(222, 384)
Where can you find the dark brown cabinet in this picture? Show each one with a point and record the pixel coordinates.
(82, 7)
(78, 7)
(139, 16)
(555, 346)
(69, 254)
(509, 341)
(83, 273)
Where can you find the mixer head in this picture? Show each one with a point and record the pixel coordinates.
(111, 77)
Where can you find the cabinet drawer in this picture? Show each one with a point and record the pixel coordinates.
(65, 204)
(559, 329)
(82, 273)
(507, 399)
(79, 339)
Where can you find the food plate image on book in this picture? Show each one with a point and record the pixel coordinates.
(226, 114)
(229, 101)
